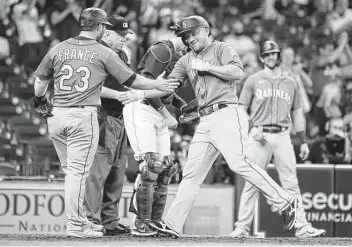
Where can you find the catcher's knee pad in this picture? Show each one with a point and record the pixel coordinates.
(160, 196)
(170, 169)
(150, 169)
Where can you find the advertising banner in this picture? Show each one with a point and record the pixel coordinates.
(326, 198)
(29, 207)
(341, 201)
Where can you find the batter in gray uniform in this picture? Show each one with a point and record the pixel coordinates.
(273, 100)
(212, 68)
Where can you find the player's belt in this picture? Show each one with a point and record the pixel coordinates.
(80, 106)
(210, 109)
(274, 129)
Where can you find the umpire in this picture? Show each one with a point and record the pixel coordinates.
(106, 179)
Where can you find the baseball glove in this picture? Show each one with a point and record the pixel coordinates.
(42, 106)
(189, 113)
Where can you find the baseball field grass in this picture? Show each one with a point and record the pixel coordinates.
(128, 240)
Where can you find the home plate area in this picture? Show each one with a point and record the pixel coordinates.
(128, 240)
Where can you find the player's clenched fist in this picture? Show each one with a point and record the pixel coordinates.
(200, 65)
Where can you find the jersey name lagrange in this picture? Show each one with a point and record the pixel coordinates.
(270, 101)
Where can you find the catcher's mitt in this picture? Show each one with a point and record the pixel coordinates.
(189, 113)
(42, 106)
(190, 107)
(188, 118)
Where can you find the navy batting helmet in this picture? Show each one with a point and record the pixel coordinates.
(270, 46)
(91, 17)
(189, 23)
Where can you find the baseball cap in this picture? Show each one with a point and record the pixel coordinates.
(119, 25)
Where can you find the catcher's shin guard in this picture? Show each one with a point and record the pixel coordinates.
(161, 189)
(160, 196)
(150, 169)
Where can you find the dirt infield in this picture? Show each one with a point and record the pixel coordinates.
(127, 240)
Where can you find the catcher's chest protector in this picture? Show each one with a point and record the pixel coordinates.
(169, 63)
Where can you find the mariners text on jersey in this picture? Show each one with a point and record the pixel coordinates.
(267, 93)
(77, 54)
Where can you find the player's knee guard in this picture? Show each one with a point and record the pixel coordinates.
(160, 194)
(150, 169)
(170, 169)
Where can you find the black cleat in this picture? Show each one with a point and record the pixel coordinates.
(163, 229)
(117, 230)
(290, 215)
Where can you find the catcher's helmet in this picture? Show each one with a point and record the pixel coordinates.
(91, 17)
(270, 46)
(189, 23)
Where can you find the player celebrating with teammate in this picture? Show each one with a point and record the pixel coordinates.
(273, 101)
(78, 67)
(147, 124)
(213, 68)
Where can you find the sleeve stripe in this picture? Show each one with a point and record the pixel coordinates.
(130, 80)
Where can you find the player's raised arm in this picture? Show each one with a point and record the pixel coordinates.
(138, 82)
(231, 68)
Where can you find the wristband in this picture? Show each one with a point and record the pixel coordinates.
(301, 135)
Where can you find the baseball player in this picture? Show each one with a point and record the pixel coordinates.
(213, 68)
(147, 124)
(273, 100)
(78, 67)
(106, 178)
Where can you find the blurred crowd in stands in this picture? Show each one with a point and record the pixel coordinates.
(312, 53)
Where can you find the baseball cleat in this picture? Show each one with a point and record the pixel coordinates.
(117, 230)
(290, 215)
(308, 231)
(239, 232)
(145, 232)
(95, 227)
(163, 229)
(85, 233)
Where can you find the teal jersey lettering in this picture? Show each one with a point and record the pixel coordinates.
(209, 89)
(270, 101)
(79, 67)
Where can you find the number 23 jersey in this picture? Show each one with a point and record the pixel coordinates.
(79, 67)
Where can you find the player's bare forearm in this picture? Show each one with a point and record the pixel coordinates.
(166, 85)
(109, 93)
(143, 83)
(40, 86)
(299, 124)
(151, 94)
(298, 120)
(228, 72)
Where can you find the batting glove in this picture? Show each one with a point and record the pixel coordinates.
(199, 65)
